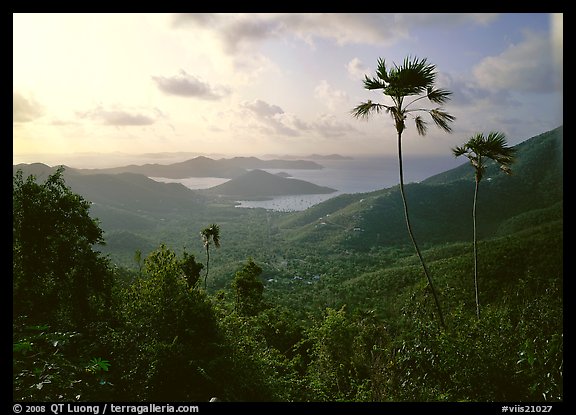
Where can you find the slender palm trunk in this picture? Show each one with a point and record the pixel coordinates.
(409, 226)
(476, 249)
(207, 266)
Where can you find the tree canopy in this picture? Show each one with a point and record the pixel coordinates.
(58, 276)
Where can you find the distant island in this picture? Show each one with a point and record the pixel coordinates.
(124, 188)
(206, 167)
(259, 184)
(328, 157)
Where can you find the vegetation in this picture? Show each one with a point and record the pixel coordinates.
(294, 311)
(210, 235)
(260, 184)
(478, 149)
(413, 81)
(57, 276)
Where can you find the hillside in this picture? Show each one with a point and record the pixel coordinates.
(134, 209)
(441, 206)
(260, 184)
(123, 194)
(331, 304)
(539, 158)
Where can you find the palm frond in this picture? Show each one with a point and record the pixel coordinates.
(381, 70)
(211, 234)
(373, 83)
(493, 146)
(413, 77)
(421, 125)
(442, 119)
(458, 151)
(438, 96)
(365, 109)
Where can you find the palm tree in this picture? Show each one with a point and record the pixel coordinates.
(210, 235)
(412, 81)
(479, 149)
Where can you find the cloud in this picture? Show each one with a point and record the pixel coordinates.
(384, 29)
(262, 109)
(328, 125)
(357, 69)
(119, 118)
(271, 119)
(200, 19)
(466, 92)
(186, 85)
(234, 30)
(524, 67)
(442, 20)
(25, 109)
(330, 96)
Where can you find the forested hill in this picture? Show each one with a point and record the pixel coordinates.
(539, 159)
(124, 192)
(325, 305)
(258, 183)
(441, 206)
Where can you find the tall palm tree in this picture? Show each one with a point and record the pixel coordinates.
(406, 85)
(479, 149)
(210, 235)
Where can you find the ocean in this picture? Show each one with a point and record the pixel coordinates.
(359, 175)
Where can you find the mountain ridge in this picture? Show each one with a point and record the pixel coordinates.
(440, 206)
(202, 166)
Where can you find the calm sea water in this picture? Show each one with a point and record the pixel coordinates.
(359, 175)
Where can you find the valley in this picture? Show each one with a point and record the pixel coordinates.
(347, 264)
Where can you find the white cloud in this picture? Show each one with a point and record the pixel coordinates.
(329, 95)
(357, 69)
(385, 29)
(117, 117)
(25, 109)
(328, 125)
(261, 108)
(186, 85)
(526, 67)
(269, 119)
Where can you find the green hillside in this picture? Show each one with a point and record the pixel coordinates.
(539, 157)
(441, 206)
(125, 193)
(324, 305)
(260, 184)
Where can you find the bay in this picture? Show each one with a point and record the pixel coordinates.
(358, 175)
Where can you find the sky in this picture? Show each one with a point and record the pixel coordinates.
(271, 84)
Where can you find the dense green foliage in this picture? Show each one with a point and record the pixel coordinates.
(293, 310)
(62, 291)
(57, 276)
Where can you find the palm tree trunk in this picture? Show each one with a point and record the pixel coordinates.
(476, 250)
(207, 266)
(409, 226)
